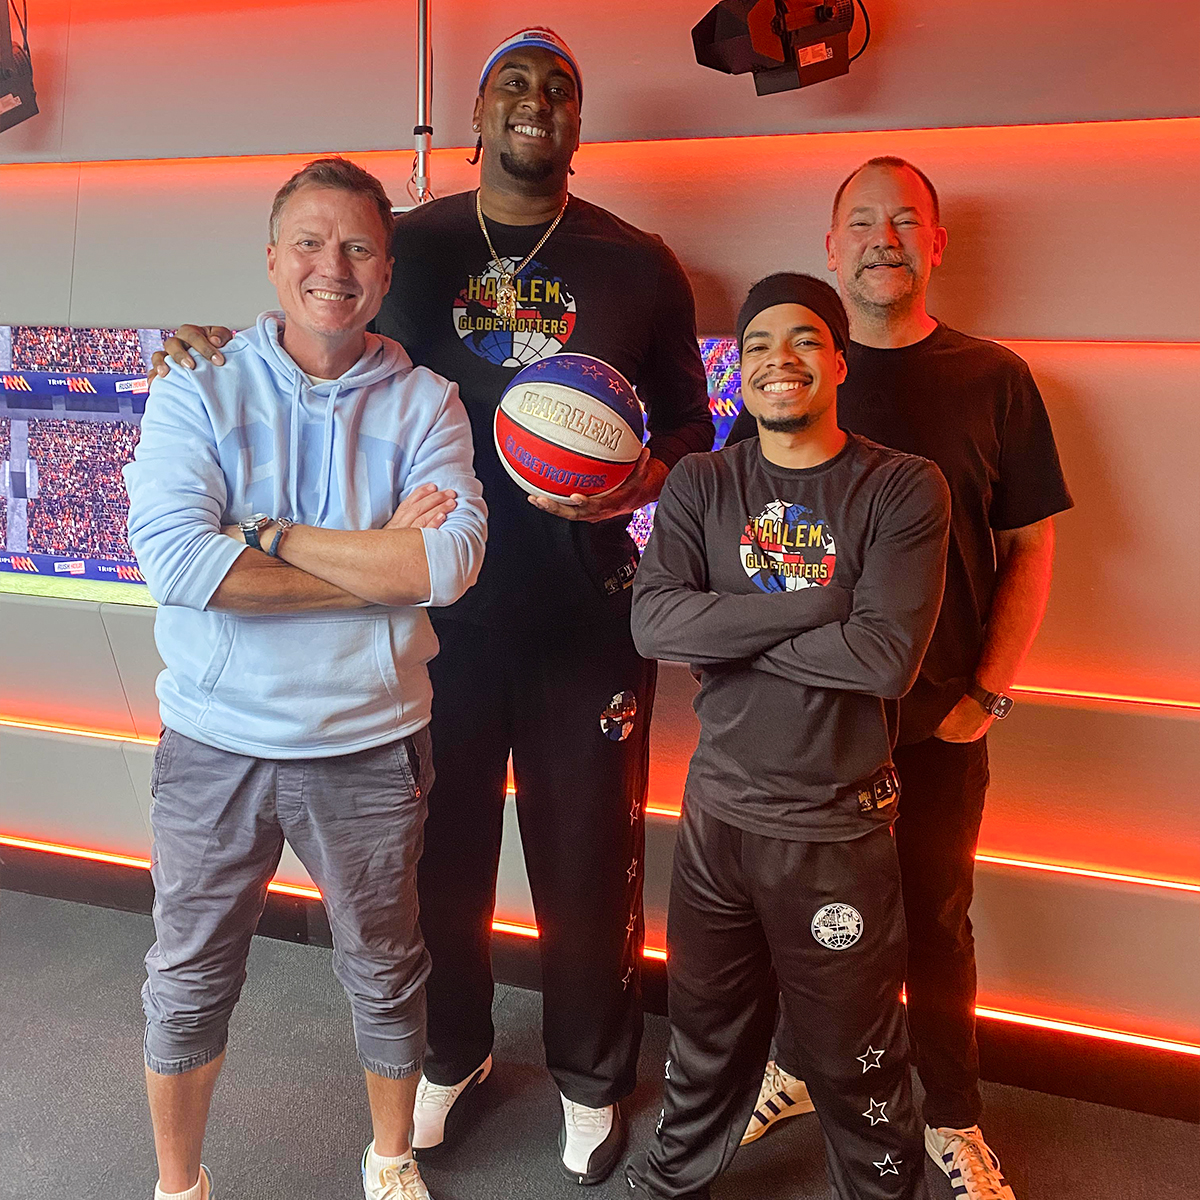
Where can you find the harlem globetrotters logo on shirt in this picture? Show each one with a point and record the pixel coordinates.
(786, 548)
(543, 325)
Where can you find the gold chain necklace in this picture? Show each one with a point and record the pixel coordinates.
(506, 291)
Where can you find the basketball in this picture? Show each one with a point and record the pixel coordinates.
(569, 424)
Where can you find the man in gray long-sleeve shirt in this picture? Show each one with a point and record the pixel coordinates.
(801, 573)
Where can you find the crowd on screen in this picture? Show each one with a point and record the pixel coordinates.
(81, 506)
(59, 348)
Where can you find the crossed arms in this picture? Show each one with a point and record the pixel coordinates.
(870, 639)
(429, 552)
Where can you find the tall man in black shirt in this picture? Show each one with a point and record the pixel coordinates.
(537, 659)
(973, 408)
(800, 574)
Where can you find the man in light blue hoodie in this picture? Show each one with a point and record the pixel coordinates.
(294, 515)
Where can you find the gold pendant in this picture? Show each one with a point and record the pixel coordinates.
(506, 299)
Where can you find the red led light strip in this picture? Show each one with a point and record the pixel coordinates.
(76, 731)
(1108, 697)
(520, 929)
(1186, 124)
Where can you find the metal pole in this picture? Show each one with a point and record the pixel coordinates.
(423, 131)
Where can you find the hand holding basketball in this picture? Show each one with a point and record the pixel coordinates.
(643, 485)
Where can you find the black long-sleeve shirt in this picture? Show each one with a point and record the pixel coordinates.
(805, 598)
(973, 408)
(598, 286)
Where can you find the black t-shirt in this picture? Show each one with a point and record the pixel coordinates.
(972, 407)
(598, 286)
(804, 598)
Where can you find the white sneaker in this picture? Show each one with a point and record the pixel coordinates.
(781, 1095)
(590, 1141)
(432, 1114)
(394, 1183)
(969, 1162)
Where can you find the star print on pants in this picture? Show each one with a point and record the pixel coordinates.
(871, 1053)
(633, 871)
(875, 1113)
(632, 925)
(628, 977)
(887, 1167)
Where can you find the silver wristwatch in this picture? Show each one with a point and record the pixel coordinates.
(251, 527)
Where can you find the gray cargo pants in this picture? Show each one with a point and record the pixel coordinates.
(219, 820)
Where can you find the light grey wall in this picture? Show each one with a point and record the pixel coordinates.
(1047, 239)
(1067, 236)
(1070, 782)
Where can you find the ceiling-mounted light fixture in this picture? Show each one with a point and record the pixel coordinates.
(786, 44)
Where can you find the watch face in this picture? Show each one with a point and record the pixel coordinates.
(1001, 707)
(255, 522)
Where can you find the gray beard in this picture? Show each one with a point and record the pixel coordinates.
(861, 300)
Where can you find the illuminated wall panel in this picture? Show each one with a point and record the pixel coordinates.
(186, 239)
(1123, 613)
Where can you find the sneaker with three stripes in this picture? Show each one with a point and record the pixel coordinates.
(969, 1162)
(781, 1095)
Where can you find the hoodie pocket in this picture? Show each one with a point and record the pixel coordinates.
(310, 681)
(385, 660)
(219, 659)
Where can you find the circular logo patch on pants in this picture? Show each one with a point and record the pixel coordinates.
(837, 926)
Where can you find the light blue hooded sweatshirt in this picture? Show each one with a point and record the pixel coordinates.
(255, 435)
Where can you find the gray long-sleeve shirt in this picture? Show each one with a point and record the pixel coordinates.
(805, 598)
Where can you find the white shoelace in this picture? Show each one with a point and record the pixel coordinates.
(402, 1183)
(977, 1163)
(587, 1120)
(774, 1080)
(436, 1095)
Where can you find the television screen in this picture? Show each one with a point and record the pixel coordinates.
(71, 401)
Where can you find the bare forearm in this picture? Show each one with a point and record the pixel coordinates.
(1018, 605)
(383, 566)
(258, 585)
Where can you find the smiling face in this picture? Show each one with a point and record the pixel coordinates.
(528, 116)
(329, 263)
(791, 368)
(885, 240)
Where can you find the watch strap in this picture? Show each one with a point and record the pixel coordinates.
(283, 524)
(995, 703)
(250, 533)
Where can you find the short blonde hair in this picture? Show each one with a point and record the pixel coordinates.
(340, 173)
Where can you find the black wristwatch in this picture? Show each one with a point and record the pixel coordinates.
(251, 527)
(997, 704)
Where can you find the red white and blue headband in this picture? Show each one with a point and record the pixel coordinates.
(545, 39)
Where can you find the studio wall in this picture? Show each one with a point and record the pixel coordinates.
(1065, 140)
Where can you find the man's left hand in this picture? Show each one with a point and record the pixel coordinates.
(967, 721)
(643, 485)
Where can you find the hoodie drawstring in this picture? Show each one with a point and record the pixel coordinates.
(294, 473)
(327, 455)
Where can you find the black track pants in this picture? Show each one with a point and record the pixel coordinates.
(751, 918)
(942, 790)
(581, 808)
